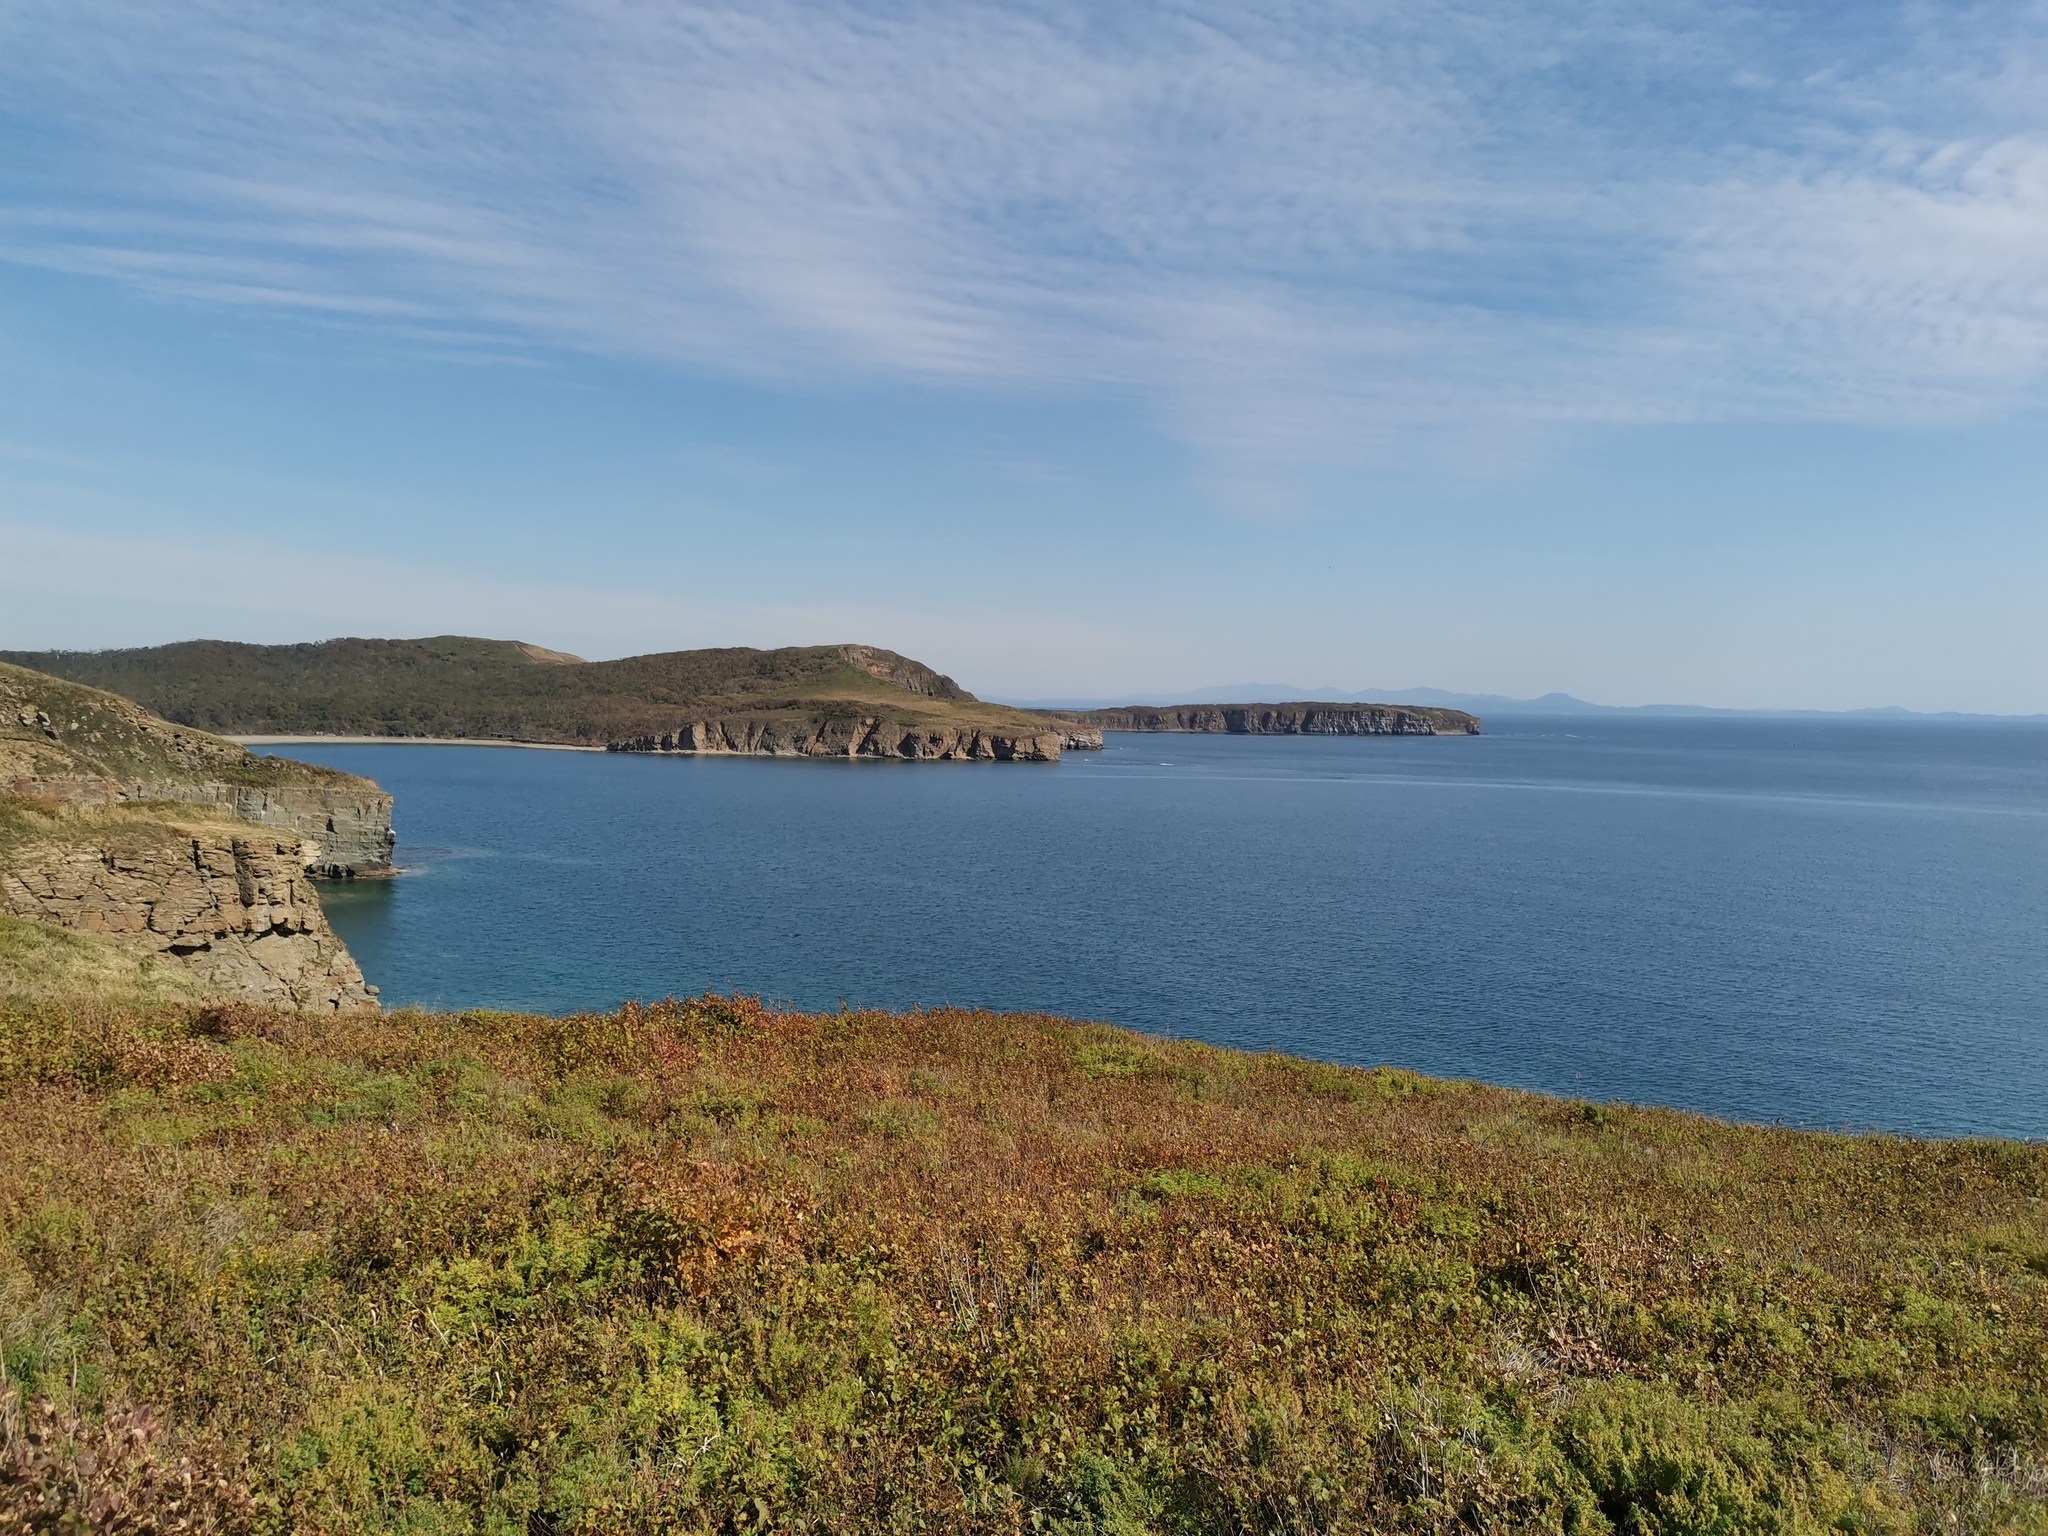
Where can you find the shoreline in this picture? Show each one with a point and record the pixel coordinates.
(404, 741)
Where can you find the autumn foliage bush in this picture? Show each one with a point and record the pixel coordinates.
(705, 1266)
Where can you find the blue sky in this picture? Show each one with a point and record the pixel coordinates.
(1669, 352)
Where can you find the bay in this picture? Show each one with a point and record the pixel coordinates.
(1823, 922)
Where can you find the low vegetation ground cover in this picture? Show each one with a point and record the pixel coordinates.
(702, 1266)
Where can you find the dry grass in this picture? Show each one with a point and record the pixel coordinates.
(700, 1267)
(42, 963)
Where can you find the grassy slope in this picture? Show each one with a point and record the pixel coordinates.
(51, 727)
(700, 1268)
(40, 963)
(456, 686)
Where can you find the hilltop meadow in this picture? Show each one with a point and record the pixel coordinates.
(705, 1266)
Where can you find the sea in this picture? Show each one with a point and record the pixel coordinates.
(1818, 922)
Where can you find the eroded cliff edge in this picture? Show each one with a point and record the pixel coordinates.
(1298, 719)
(225, 901)
(825, 734)
(65, 744)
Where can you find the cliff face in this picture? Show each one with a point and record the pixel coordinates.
(1288, 719)
(64, 744)
(807, 735)
(227, 902)
(343, 830)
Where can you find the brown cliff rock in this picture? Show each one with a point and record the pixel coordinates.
(229, 902)
(64, 744)
(791, 735)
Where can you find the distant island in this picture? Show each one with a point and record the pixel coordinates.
(1296, 719)
(1489, 705)
(807, 701)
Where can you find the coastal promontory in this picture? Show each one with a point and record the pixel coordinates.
(165, 863)
(1299, 719)
(66, 744)
(812, 701)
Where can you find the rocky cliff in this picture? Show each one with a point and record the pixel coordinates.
(830, 735)
(61, 743)
(1306, 719)
(227, 901)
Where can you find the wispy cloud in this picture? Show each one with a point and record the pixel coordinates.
(1297, 231)
(164, 589)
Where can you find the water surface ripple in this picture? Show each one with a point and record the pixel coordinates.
(1837, 923)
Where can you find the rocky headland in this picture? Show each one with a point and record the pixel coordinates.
(160, 848)
(226, 902)
(64, 744)
(835, 735)
(805, 701)
(1301, 719)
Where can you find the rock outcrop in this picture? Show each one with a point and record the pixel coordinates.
(64, 744)
(790, 735)
(228, 901)
(344, 830)
(1306, 719)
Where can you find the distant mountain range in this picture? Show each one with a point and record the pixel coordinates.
(1489, 706)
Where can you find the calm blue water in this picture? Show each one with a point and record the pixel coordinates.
(1830, 923)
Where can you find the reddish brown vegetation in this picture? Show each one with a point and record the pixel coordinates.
(702, 1266)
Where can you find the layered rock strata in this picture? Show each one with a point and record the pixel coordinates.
(344, 830)
(63, 744)
(1289, 719)
(784, 735)
(229, 903)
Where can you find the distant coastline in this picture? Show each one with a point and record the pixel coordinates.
(1491, 705)
(1300, 718)
(797, 701)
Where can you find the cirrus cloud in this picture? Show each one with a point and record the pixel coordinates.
(1296, 231)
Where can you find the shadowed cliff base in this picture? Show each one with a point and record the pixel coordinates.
(812, 701)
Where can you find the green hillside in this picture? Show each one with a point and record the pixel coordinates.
(54, 731)
(456, 686)
(701, 1267)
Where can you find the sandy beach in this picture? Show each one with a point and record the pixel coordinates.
(405, 741)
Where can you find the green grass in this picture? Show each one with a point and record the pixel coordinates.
(701, 1267)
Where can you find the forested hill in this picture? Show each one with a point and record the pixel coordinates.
(736, 698)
